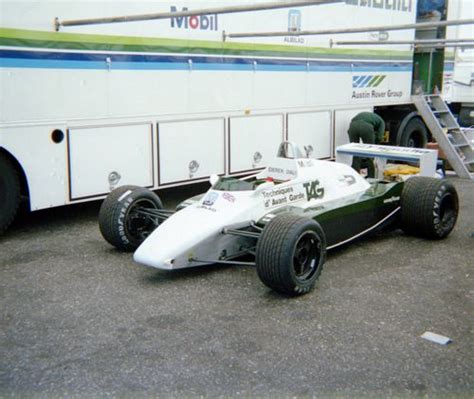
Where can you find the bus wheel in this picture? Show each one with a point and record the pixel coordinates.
(414, 134)
(9, 192)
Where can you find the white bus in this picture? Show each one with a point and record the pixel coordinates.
(167, 102)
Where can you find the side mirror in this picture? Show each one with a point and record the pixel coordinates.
(214, 179)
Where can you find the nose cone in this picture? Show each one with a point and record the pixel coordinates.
(171, 243)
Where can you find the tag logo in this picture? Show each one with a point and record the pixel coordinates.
(313, 190)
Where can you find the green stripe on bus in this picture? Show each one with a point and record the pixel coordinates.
(75, 41)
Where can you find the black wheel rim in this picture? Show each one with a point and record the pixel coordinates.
(140, 225)
(306, 256)
(447, 211)
(415, 140)
(411, 142)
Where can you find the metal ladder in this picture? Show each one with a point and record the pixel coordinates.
(445, 129)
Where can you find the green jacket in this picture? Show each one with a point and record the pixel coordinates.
(376, 121)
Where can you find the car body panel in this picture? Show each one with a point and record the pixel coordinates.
(334, 194)
(347, 218)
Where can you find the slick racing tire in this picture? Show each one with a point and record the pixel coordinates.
(120, 221)
(429, 207)
(9, 192)
(290, 254)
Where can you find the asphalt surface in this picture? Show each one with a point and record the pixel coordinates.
(79, 318)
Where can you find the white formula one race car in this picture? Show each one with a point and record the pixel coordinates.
(285, 218)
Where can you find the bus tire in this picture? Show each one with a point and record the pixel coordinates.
(414, 134)
(429, 207)
(9, 192)
(466, 116)
(119, 222)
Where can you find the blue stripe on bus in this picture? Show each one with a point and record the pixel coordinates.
(69, 60)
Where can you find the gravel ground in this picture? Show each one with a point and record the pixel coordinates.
(79, 318)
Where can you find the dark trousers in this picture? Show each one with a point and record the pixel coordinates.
(360, 130)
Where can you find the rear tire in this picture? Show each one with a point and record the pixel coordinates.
(290, 254)
(429, 207)
(119, 222)
(9, 192)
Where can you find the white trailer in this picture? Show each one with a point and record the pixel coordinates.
(162, 103)
(458, 73)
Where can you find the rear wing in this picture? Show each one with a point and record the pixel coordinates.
(427, 159)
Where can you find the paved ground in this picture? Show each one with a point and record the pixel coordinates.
(78, 317)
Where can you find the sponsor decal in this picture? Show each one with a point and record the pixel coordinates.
(290, 172)
(268, 217)
(305, 163)
(294, 25)
(366, 82)
(277, 192)
(391, 199)
(381, 149)
(363, 81)
(210, 199)
(207, 208)
(313, 190)
(281, 196)
(201, 22)
(394, 5)
(347, 180)
(228, 197)
(380, 36)
(124, 195)
(121, 219)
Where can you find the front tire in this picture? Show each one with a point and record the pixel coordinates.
(429, 207)
(120, 222)
(290, 254)
(9, 192)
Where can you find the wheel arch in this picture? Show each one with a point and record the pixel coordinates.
(25, 191)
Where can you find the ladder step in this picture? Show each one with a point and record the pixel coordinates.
(446, 131)
(461, 145)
